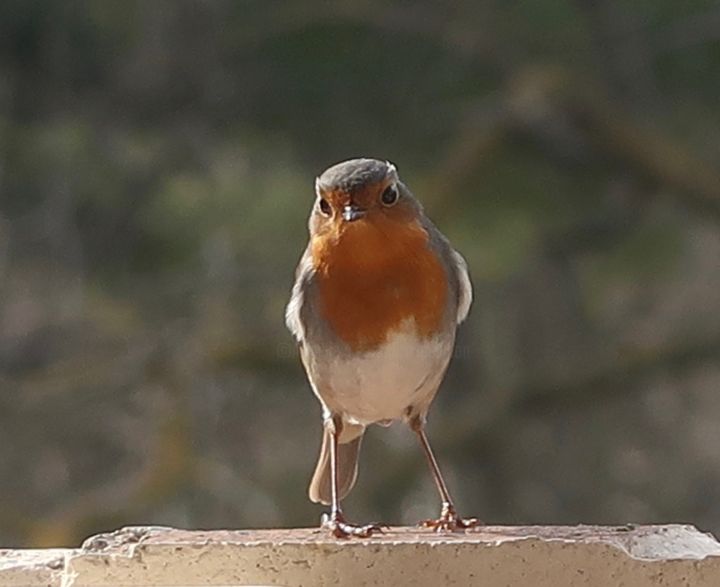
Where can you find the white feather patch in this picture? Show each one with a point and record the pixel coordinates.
(294, 307)
(380, 385)
(465, 295)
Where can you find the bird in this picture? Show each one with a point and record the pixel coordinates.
(378, 294)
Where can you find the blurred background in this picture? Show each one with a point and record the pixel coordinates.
(156, 171)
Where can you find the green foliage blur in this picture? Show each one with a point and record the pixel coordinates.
(156, 171)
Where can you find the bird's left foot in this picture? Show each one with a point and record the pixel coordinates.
(340, 528)
(449, 521)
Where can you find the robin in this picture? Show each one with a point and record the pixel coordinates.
(377, 298)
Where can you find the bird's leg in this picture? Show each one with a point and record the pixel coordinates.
(449, 519)
(335, 520)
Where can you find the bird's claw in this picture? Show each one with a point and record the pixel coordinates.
(449, 521)
(339, 528)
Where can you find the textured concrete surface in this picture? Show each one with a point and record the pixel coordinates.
(537, 556)
(32, 567)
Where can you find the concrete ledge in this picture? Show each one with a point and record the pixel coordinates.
(537, 556)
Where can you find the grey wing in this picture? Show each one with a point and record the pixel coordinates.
(301, 320)
(293, 312)
(463, 286)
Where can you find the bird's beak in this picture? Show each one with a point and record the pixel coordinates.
(352, 212)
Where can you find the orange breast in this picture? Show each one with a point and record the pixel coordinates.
(375, 276)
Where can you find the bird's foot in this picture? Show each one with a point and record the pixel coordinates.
(335, 522)
(449, 521)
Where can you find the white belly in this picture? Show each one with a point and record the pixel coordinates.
(381, 384)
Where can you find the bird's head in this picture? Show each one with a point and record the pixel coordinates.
(361, 193)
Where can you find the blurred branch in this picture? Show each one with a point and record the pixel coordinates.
(454, 31)
(279, 358)
(621, 49)
(541, 96)
(98, 374)
(171, 462)
(169, 465)
(696, 29)
(494, 408)
(551, 104)
(480, 132)
(4, 249)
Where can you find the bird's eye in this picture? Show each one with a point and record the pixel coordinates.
(389, 196)
(325, 207)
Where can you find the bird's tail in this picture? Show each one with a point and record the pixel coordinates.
(347, 457)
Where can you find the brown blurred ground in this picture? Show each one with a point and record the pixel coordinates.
(156, 167)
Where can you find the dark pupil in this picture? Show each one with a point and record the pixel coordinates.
(324, 206)
(389, 196)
